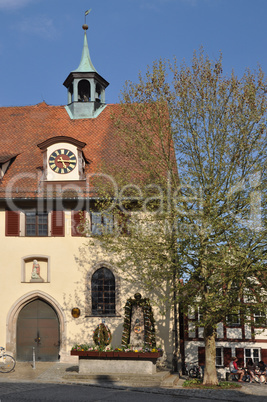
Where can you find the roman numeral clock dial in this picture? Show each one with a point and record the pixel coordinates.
(62, 161)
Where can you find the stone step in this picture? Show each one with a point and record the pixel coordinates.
(170, 381)
(154, 380)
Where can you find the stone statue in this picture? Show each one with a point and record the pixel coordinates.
(35, 276)
(35, 270)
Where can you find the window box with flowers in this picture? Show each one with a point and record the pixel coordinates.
(103, 361)
(125, 353)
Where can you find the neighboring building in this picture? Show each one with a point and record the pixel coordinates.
(234, 338)
(48, 156)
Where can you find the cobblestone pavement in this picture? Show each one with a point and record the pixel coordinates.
(25, 378)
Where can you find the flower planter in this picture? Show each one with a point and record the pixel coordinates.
(128, 354)
(84, 353)
(116, 362)
(116, 354)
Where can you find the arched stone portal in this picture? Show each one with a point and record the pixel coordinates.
(46, 301)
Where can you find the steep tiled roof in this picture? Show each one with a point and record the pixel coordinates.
(23, 128)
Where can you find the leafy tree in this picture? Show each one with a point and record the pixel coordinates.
(193, 146)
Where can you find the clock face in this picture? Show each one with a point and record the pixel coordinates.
(62, 161)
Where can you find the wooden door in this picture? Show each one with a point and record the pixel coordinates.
(37, 327)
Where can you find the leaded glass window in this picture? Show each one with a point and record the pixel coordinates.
(103, 292)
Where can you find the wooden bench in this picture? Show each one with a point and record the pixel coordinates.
(232, 376)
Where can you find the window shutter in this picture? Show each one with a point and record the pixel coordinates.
(12, 223)
(264, 355)
(201, 356)
(239, 352)
(123, 223)
(76, 217)
(57, 223)
(226, 356)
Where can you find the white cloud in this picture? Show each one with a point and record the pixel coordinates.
(41, 26)
(200, 2)
(155, 5)
(12, 4)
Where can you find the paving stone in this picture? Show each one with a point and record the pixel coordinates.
(24, 377)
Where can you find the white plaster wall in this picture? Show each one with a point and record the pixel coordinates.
(247, 331)
(191, 329)
(191, 351)
(200, 332)
(234, 333)
(220, 330)
(261, 334)
(70, 261)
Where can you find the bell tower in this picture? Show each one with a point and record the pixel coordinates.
(86, 88)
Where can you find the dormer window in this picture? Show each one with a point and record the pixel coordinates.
(5, 161)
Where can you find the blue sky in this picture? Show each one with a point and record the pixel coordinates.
(41, 40)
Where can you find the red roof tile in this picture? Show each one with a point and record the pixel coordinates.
(23, 128)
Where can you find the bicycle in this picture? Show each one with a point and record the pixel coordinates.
(7, 362)
(194, 371)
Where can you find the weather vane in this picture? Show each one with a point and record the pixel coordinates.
(85, 14)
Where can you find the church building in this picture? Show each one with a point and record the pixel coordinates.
(55, 287)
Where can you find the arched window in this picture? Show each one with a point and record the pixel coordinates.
(103, 292)
(84, 91)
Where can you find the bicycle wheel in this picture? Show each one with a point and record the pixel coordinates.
(7, 364)
(193, 373)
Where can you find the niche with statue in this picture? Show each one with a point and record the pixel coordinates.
(35, 269)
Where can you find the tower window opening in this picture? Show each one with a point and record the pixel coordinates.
(84, 93)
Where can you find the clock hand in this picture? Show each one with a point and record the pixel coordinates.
(62, 161)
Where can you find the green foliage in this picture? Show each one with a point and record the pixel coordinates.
(196, 383)
(193, 146)
(149, 321)
(86, 347)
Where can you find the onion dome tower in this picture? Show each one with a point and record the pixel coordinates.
(86, 88)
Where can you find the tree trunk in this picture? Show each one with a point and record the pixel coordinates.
(210, 373)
